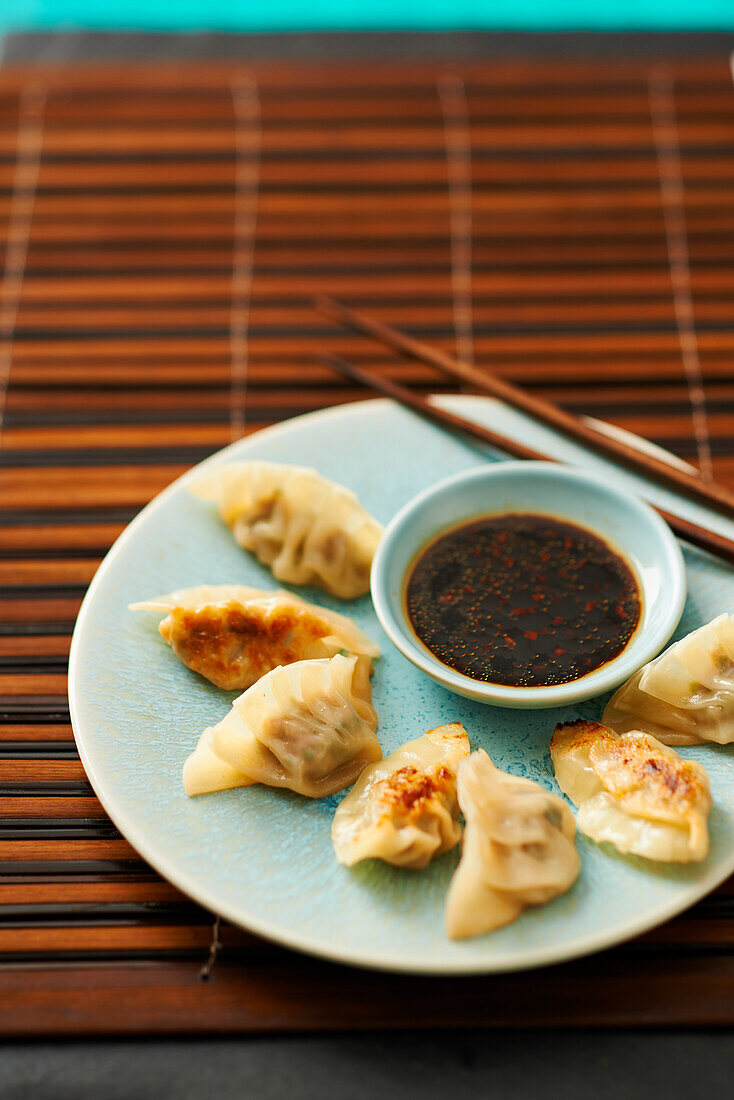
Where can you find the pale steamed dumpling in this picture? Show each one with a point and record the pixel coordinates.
(307, 529)
(403, 809)
(205, 772)
(518, 849)
(686, 695)
(309, 726)
(233, 635)
(633, 792)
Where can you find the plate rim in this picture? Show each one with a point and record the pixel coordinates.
(398, 961)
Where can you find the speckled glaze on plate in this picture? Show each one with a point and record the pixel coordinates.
(263, 858)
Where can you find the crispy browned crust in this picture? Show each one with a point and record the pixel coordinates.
(581, 733)
(233, 647)
(443, 735)
(408, 791)
(634, 761)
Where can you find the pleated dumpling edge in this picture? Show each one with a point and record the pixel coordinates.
(306, 528)
(309, 726)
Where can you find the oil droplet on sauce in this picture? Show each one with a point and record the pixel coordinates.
(523, 600)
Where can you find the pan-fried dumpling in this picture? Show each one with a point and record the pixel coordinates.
(403, 809)
(307, 529)
(233, 635)
(518, 849)
(633, 792)
(309, 726)
(686, 695)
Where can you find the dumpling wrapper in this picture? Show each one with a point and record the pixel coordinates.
(233, 635)
(686, 695)
(518, 849)
(309, 726)
(204, 771)
(633, 792)
(404, 809)
(307, 529)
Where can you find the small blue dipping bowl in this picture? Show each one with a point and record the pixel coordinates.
(629, 527)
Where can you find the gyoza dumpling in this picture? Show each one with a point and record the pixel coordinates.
(518, 849)
(205, 772)
(233, 635)
(686, 695)
(309, 726)
(633, 792)
(307, 529)
(404, 809)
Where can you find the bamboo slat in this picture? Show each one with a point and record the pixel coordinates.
(46, 807)
(26, 891)
(24, 732)
(165, 996)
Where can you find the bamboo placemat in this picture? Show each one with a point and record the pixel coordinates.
(163, 230)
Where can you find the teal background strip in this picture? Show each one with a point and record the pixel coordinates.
(292, 15)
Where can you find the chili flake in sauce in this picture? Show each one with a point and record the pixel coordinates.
(523, 600)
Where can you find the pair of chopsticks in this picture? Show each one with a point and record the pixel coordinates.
(691, 484)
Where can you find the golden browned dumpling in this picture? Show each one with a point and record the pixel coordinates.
(403, 809)
(233, 635)
(633, 792)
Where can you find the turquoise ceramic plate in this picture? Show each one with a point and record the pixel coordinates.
(263, 858)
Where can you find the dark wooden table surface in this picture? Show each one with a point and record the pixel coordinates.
(163, 230)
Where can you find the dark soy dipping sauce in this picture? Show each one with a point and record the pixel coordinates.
(522, 599)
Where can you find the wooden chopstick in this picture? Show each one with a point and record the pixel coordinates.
(710, 492)
(683, 528)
